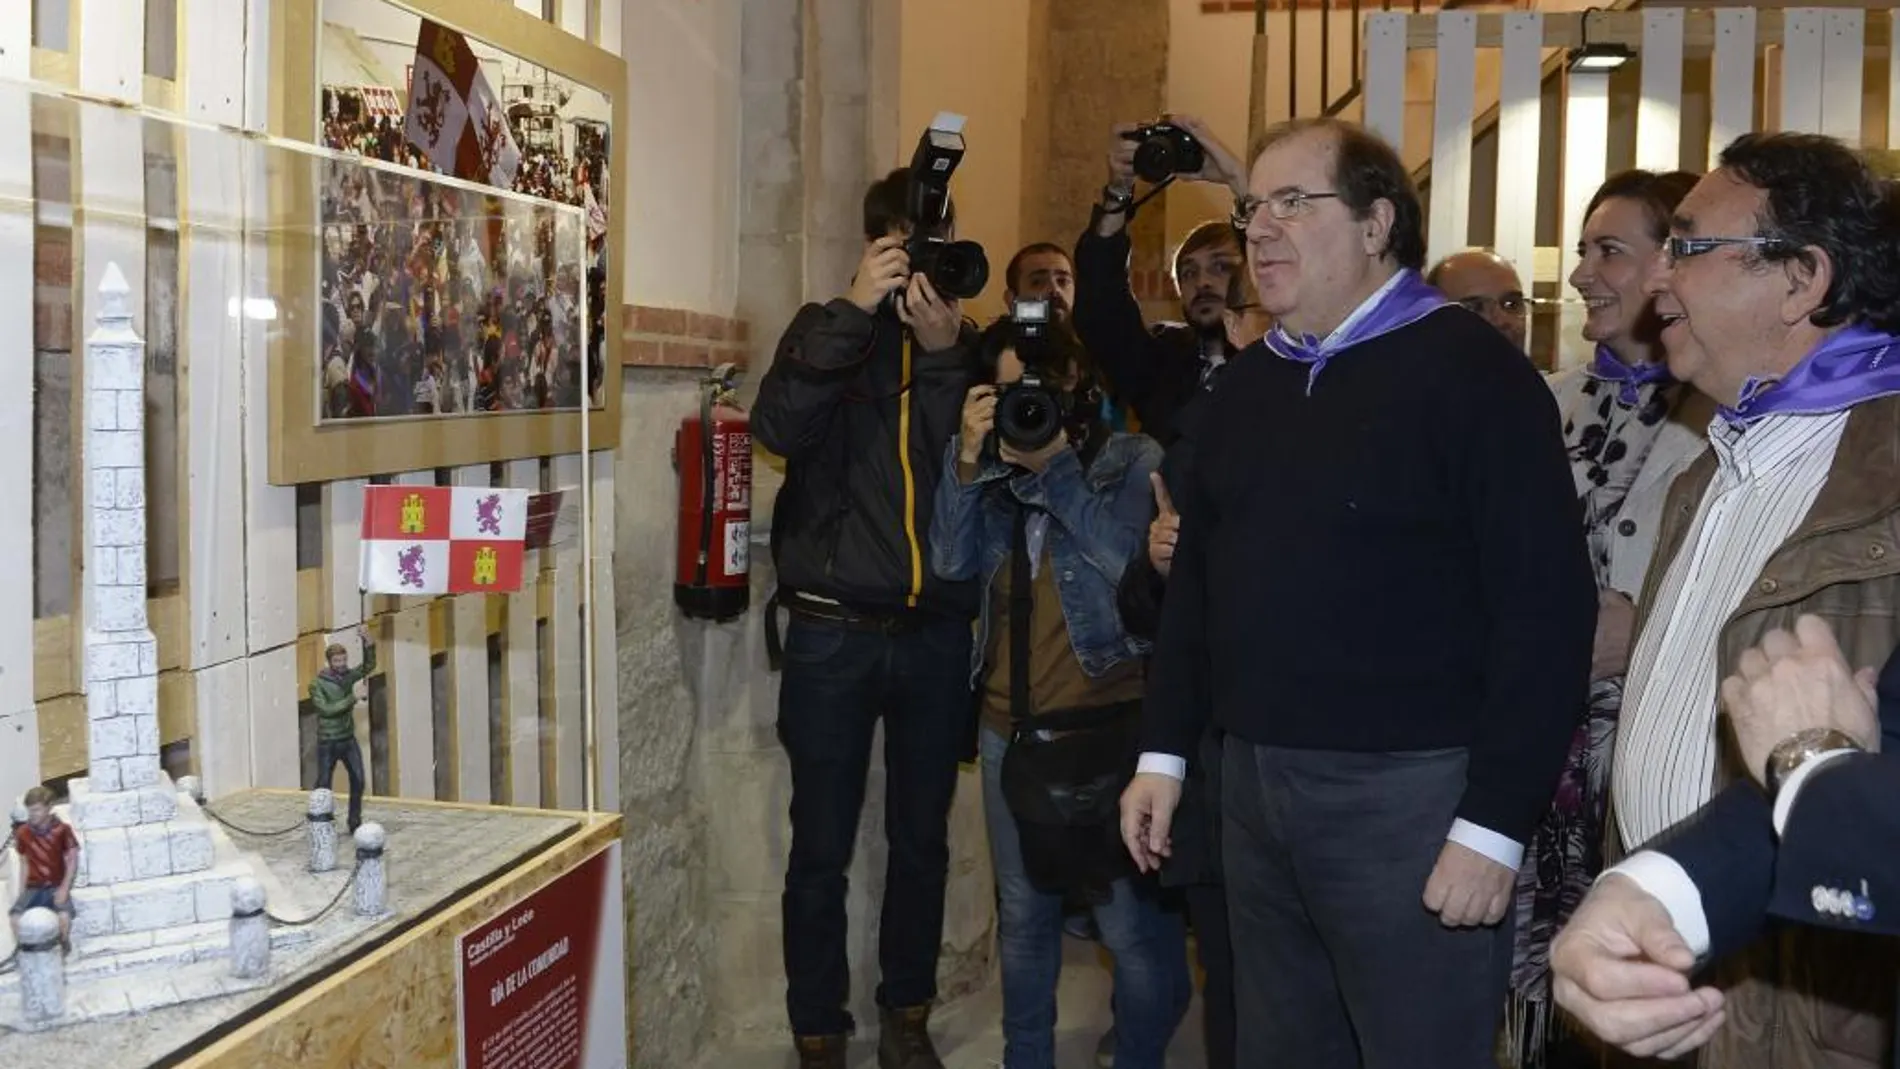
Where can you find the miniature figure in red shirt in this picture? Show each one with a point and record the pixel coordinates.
(50, 853)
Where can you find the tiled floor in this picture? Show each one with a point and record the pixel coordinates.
(969, 1032)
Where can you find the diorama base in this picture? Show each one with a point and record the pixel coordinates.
(156, 1002)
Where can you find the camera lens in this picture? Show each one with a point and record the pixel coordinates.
(961, 270)
(1154, 160)
(1027, 417)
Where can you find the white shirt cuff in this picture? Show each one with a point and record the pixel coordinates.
(1784, 799)
(1162, 764)
(1664, 879)
(1505, 851)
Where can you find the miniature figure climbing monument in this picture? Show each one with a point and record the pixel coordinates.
(148, 859)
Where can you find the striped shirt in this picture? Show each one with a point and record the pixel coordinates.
(1765, 482)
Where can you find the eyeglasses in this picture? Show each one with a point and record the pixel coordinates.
(1511, 304)
(1677, 248)
(1281, 206)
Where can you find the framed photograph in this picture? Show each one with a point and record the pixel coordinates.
(458, 308)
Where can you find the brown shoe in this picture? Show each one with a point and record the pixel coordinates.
(904, 1040)
(822, 1052)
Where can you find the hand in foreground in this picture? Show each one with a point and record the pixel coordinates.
(1467, 889)
(1121, 158)
(1616, 624)
(979, 415)
(1794, 682)
(1622, 970)
(883, 267)
(1036, 460)
(1165, 531)
(935, 321)
(1222, 165)
(1148, 807)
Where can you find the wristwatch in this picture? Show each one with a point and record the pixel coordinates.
(1790, 752)
(1116, 200)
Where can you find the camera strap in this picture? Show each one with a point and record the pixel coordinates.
(1022, 596)
(1128, 213)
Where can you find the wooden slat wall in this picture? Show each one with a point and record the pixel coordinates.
(241, 640)
(19, 719)
(468, 666)
(1520, 130)
(568, 656)
(1659, 110)
(1452, 106)
(1385, 77)
(1802, 50)
(1586, 123)
(1732, 89)
(1843, 39)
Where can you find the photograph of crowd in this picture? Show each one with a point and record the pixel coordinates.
(439, 300)
(423, 280)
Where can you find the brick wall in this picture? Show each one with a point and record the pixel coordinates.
(675, 337)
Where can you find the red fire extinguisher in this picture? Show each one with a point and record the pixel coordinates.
(712, 451)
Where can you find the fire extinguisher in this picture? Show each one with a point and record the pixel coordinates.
(712, 451)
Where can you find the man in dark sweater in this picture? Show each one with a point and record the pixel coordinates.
(1380, 598)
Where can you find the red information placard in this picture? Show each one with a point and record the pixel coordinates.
(543, 985)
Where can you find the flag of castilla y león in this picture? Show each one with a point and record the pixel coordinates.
(443, 539)
(454, 117)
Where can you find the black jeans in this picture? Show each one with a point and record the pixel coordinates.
(329, 752)
(836, 683)
(1338, 963)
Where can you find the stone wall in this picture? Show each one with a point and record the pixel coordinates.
(704, 784)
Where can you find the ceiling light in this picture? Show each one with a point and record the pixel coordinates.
(1599, 58)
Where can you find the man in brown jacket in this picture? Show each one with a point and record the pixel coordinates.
(1780, 288)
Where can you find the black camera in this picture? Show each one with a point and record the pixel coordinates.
(956, 269)
(1029, 413)
(1163, 150)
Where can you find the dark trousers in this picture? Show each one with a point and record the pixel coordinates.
(836, 683)
(1338, 963)
(331, 751)
(1213, 946)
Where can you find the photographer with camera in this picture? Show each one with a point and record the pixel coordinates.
(1155, 372)
(1045, 507)
(862, 394)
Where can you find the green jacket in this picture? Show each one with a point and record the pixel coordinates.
(334, 697)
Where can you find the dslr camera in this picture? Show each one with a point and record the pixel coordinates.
(957, 269)
(1164, 150)
(1029, 412)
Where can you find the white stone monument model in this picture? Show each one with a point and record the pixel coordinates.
(151, 867)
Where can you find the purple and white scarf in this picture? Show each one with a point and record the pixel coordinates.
(1854, 364)
(1403, 300)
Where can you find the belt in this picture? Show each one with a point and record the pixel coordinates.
(886, 623)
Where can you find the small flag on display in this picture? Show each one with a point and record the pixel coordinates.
(443, 539)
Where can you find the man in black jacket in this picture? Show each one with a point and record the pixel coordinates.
(862, 395)
(1158, 371)
(1819, 847)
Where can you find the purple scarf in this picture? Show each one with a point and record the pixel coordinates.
(1629, 378)
(1854, 364)
(1403, 300)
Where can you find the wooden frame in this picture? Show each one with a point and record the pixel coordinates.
(302, 451)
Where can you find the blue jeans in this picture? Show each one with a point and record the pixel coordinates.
(1152, 986)
(836, 684)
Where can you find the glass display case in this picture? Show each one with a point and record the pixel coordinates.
(242, 351)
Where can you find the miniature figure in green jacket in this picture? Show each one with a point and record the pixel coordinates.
(333, 697)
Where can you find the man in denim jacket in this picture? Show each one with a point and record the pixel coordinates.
(1086, 503)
